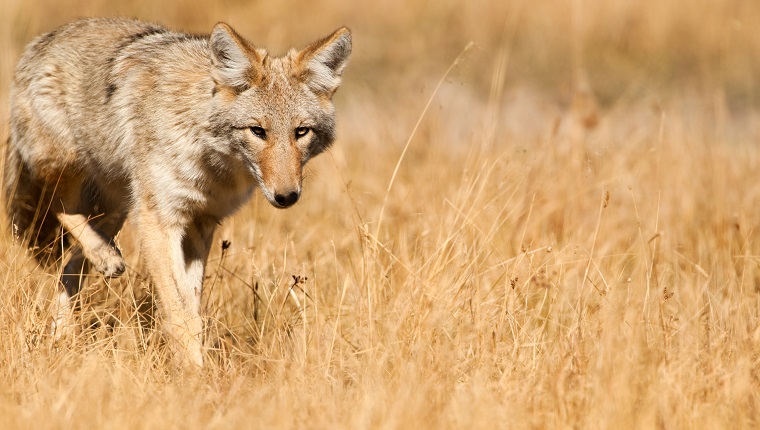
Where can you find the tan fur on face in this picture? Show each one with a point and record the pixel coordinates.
(281, 168)
(117, 117)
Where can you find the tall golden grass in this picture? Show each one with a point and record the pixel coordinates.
(563, 233)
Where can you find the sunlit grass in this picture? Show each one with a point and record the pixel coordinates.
(570, 239)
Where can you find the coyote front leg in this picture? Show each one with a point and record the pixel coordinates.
(175, 256)
(90, 243)
(96, 246)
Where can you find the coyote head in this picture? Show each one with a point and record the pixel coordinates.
(276, 112)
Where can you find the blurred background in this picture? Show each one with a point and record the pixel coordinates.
(618, 49)
(581, 78)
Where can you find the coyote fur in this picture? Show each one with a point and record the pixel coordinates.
(111, 117)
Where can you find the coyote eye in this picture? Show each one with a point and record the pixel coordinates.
(259, 132)
(301, 132)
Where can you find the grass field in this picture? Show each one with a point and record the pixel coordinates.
(553, 227)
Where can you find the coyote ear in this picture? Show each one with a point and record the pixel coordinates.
(323, 61)
(232, 67)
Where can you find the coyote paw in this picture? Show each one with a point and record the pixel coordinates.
(62, 328)
(109, 262)
(63, 325)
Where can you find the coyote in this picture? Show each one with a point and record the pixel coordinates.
(111, 117)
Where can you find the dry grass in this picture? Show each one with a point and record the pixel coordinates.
(583, 255)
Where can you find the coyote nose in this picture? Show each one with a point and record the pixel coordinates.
(285, 200)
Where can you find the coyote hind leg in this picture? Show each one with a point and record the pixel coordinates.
(72, 278)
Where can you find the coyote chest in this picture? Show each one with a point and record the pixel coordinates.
(202, 187)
